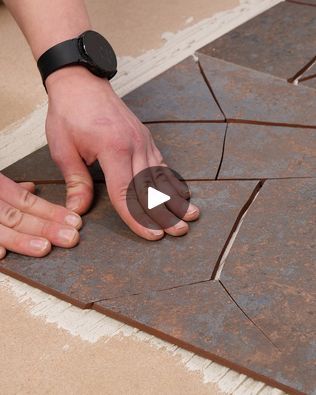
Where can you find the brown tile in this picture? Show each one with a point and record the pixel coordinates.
(256, 151)
(279, 41)
(179, 93)
(203, 319)
(270, 273)
(39, 167)
(248, 94)
(194, 150)
(111, 261)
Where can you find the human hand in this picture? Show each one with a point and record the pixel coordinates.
(87, 121)
(29, 225)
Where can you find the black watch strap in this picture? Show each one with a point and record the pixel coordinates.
(65, 53)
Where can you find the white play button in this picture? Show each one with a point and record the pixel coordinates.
(155, 198)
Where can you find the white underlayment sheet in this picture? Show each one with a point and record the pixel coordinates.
(28, 135)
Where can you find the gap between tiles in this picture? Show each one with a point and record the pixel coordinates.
(296, 79)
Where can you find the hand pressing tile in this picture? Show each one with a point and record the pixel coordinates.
(111, 261)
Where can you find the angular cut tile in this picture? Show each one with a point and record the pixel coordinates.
(270, 272)
(111, 261)
(248, 94)
(280, 41)
(39, 167)
(256, 151)
(194, 150)
(203, 319)
(179, 93)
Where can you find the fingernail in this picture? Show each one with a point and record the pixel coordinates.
(192, 209)
(180, 225)
(73, 220)
(39, 244)
(157, 232)
(73, 204)
(67, 235)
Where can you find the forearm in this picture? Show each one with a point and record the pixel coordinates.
(48, 22)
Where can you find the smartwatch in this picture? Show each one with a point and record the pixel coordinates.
(90, 50)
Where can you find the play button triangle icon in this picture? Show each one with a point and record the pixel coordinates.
(155, 198)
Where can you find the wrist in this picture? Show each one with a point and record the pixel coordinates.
(74, 76)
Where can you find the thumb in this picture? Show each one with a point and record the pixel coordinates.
(77, 178)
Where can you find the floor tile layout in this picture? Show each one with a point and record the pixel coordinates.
(239, 287)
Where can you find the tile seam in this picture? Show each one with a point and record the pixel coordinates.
(233, 233)
(223, 153)
(248, 317)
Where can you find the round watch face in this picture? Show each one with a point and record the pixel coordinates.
(99, 51)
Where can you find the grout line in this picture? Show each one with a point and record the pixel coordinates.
(233, 234)
(247, 316)
(266, 123)
(223, 153)
(301, 3)
(295, 79)
(185, 121)
(210, 89)
(309, 77)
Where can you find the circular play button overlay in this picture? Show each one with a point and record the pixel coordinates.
(158, 197)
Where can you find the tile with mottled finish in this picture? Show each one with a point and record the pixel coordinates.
(270, 273)
(111, 261)
(193, 150)
(257, 151)
(204, 319)
(280, 41)
(251, 95)
(179, 93)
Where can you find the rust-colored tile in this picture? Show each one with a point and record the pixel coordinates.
(193, 150)
(256, 151)
(111, 261)
(179, 93)
(279, 41)
(248, 94)
(204, 319)
(270, 273)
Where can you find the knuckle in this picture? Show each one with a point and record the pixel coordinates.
(27, 199)
(79, 182)
(12, 217)
(159, 175)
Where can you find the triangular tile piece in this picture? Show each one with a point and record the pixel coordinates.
(250, 95)
(270, 273)
(179, 93)
(280, 41)
(260, 151)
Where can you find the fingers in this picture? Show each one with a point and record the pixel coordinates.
(118, 169)
(3, 252)
(167, 181)
(25, 201)
(29, 186)
(77, 178)
(22, 243)
(57, 234)
(160, 214)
